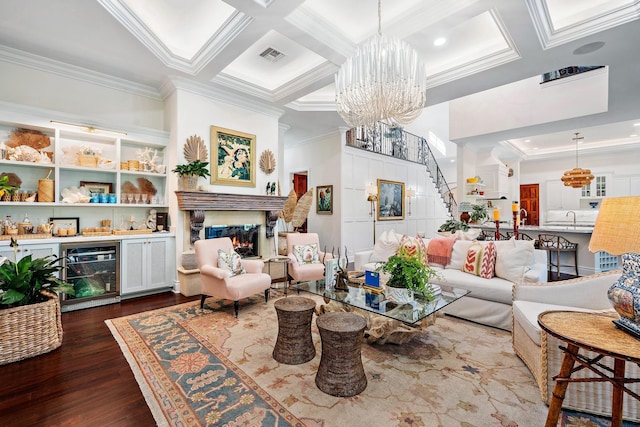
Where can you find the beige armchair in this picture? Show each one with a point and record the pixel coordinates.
(303, 272)
(540, 351)
(220, 283)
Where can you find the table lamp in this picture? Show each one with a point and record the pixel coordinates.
(617, 231)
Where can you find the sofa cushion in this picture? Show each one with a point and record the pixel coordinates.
(414, 245)
(306, 254)
(514, 259)
(526, 313)
(480, 260)
(459, 254)
(386, 245)
(230, 261)
(496, 289)
(470, 234)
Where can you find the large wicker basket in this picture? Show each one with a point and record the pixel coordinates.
(30, 330)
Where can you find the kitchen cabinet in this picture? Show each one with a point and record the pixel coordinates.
(39, 250)
(600, 187)
(147, 265)
(496, 180)
(560, 196)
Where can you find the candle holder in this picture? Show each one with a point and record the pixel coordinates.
(498, 229)
(515, 224)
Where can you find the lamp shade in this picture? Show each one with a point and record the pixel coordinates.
(617, 229)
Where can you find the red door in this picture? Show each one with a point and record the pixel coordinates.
(530, 202)
(300, 187)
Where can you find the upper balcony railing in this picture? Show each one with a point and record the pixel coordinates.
(400, 144)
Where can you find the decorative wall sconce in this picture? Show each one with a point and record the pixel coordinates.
(372, 197)
(409, 193)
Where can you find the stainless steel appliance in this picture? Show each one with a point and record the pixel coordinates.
(94, 270)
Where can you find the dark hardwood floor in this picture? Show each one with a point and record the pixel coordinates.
(86, 381)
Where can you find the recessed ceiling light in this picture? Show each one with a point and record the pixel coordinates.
(636, 124)
(527, 140)
(535, 148)
(453, 160)
(439, 41)
(633, 135)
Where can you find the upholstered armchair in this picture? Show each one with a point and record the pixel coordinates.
(303, 271)
(222, 282)
(540, 351)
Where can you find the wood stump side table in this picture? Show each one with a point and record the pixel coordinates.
(294, 344)
(341, 372)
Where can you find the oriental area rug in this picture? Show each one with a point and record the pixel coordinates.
(206, 368)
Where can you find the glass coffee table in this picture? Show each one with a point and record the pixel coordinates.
(386, 320)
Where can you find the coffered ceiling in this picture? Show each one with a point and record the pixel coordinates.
(284, 53)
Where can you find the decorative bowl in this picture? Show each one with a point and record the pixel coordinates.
(593, 204)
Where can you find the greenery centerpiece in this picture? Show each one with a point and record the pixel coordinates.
(407, 270)
(28, 303)
(453, 225)
(478, 213)
(190, 173)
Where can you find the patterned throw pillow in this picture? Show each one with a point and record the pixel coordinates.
(481, 260)
(230, 261)
(306, 254)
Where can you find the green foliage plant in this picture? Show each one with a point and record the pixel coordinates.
(453, 225)
(478, 213)
(21, 282)
(193, 168)
(407, 270)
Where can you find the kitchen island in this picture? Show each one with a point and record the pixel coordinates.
(588, 263)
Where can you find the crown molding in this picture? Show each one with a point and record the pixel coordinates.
(550, 37)
(236, 23)
(174, 83)
(47, 65)
(320, 30)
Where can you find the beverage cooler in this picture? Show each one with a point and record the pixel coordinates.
(94, 271)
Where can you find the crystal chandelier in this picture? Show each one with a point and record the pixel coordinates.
(577, 177)
(384, 80)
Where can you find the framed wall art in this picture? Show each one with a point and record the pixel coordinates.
(233, 157)
(70, 225)
(97, 187)
(324, 199)
(390, 200)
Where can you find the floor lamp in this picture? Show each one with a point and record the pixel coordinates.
(372, 191)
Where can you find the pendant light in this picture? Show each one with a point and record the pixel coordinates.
(577, 177)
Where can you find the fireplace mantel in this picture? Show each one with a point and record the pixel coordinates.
(200, 201)
(205, 201)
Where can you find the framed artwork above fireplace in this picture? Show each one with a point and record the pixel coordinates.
(233, 157)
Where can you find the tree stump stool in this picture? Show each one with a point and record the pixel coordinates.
(341, 372)
(294, 344)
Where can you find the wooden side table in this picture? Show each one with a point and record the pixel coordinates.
(341, 372)
(596, 333)
(294, 344)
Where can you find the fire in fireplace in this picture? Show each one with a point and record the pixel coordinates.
(245, 237)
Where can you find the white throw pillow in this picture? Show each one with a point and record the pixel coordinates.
(459, 254)
(514, 259)
(306, 254)
(385, 246)
(230, 261)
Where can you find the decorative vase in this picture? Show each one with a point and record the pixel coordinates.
(400, 295)
(465, 217)
(624, 295)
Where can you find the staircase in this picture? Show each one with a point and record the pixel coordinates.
(395, 142)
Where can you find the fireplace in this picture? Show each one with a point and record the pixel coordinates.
(245, 237)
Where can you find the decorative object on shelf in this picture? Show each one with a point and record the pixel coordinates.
(149, 161)
(390, 200)
(5, 187)
(195, 149)
(271, 189)
(384, 80)
(46, 189)
(324, 202)
(28, 303)
(88, 156)
(617, 232)
(478, 213)
(267, 162)
(593, 205)
(577, 177)
(75, 195)
(68, 226)
(233, 157)
(295, 210)
(27, 137)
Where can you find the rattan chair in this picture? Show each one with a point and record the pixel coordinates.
(555, 244)
(490, 236)
(521, 236)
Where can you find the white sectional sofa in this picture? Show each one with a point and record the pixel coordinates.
(489, 300)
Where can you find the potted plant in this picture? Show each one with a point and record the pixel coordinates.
(451, 226)
(408, 275)
(478, 213)
(190, 172)
(5, 187)
(28, 303)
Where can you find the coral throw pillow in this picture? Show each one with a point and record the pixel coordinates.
(230, 261)
(481, 260)
(306, 254)
(439, 250)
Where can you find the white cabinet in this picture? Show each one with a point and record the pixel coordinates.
(496, 180)
(560, 196)
(599, 188)
(147, 264)
(40, 250)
